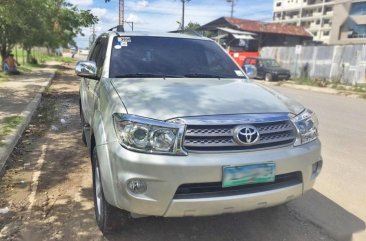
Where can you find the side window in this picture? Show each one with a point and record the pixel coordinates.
(95, 51)
(103, 42)
(260, 63)
(99, 52)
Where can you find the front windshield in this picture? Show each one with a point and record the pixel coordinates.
(146, 56)
(270, 63)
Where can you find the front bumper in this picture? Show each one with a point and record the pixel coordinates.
(282, 76)
(164, 174)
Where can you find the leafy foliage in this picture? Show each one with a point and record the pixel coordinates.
(192, 26)
(50, 23)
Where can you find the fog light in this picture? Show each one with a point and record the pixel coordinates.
(317, 166)
(137, 186)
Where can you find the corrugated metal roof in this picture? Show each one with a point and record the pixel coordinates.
(263, 27)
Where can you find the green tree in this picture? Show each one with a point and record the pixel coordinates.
(192, 26)
(10, 27)
(51, 23)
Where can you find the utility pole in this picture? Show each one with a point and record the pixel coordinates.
(130, 23)
(92, 37)
(232, 7)
(121, 13)
(183, 12)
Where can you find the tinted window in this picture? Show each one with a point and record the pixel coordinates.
(169, 56)
(358, 8)
(269, 63)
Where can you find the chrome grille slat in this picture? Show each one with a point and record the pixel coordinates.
(221, 137)
(209, 132)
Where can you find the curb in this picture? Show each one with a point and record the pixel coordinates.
(314, 89)
(12, 139)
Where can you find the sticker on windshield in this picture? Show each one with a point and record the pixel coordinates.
(124, 44)
(124, 39)
(117, 46)
(239, 73)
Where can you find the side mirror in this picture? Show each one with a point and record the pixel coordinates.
(87, 69)
(250, 70)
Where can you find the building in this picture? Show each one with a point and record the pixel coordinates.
(329, 21)
(349, 23)
(267, 34)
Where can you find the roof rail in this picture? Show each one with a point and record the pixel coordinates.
(118, 28)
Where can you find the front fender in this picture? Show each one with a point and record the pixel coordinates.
(105, 165)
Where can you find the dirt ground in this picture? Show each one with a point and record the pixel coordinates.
(48, 190)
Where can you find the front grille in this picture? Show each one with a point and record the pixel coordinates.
(215, 189)
(221, 137)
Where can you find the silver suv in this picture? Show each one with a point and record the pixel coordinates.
(175, 128)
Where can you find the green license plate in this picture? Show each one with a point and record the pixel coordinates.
(248, 174)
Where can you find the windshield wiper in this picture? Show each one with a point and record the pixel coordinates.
(146, 75)
(202, 75)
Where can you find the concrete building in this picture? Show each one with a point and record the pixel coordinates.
(349, 23)
(329, 21)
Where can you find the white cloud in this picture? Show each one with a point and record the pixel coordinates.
(81, 2)
(99, 12)
(134, 18)
(142, 3)
(161, 15)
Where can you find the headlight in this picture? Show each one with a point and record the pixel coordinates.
(148, 135)
(307, 127)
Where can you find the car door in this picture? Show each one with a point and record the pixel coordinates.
(260, 68)
(98, 56)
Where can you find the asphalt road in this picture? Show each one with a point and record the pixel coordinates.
(338, 203)
(51, 199)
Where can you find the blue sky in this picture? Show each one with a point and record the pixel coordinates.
(162, 15)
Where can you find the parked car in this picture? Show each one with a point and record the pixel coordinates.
(267, 69)
(175, 128)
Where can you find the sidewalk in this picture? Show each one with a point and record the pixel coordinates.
(19, 98)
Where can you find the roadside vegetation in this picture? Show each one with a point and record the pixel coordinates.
(359, 89)
(8, 125)
(40, 23)
(3, 77)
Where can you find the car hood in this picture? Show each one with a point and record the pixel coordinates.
(168, 98)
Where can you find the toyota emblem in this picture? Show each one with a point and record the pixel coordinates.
(246, 135)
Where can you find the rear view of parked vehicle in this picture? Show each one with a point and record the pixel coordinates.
(267, 69)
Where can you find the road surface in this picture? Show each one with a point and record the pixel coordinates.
(48, 188)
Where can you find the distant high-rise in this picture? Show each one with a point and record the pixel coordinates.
(329, 21)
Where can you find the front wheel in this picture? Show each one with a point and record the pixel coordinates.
(268, 77)
(109, 218)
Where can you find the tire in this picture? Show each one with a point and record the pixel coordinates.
(109, 218)
(268, 77)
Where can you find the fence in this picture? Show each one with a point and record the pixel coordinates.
(341, 63)
(38, 53)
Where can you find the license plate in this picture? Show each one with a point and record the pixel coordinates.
(248, 174)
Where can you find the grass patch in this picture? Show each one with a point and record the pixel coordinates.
(310, 82)
(359, 88)
(28, 67)
(67, 60)
(8, 125)
(37, 58)
(3, 77)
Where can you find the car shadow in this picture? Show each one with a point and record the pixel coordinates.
(312, 217)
